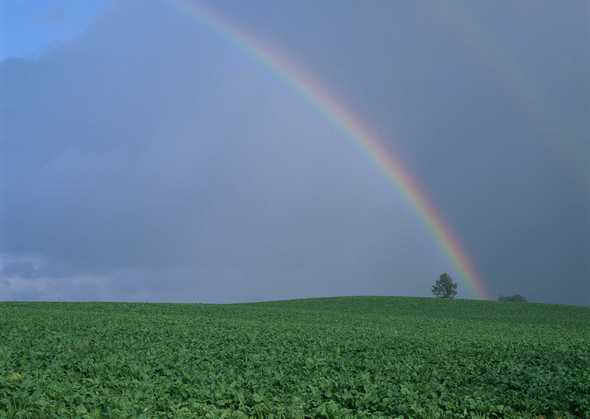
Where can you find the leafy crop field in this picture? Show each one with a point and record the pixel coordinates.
(337, 357)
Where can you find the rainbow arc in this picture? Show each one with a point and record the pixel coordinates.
(355, 130)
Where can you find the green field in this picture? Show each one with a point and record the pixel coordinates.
(356, 357)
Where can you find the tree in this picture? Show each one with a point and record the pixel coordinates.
(516, 298)
(445, 287)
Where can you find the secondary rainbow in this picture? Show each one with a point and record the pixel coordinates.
(355, 130)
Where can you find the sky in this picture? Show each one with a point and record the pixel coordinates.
(146, 156)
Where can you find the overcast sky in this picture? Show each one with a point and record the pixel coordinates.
(145, 156)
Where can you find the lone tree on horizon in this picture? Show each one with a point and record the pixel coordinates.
(445, 287)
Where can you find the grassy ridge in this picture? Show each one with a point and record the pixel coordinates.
(357, 356)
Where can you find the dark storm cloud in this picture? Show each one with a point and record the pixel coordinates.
(488, 104)
(165, 164)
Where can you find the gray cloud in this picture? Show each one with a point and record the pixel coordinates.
(24, 269)
(166, 164)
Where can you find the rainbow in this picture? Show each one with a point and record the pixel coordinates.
(528, 97)
(355, 131)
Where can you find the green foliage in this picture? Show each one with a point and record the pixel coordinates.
(516, 298)
(330, 358)
(445, 287)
